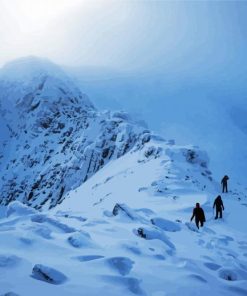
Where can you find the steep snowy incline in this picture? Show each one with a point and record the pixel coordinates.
(135, 172)
(55, 138)
(125, 231)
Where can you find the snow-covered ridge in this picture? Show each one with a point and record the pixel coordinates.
(57, 139)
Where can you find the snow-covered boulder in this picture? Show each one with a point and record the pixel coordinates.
(122, 209)
(166, 225)
(152, 233)
(48, 274)
(80, 240)
(126, 213)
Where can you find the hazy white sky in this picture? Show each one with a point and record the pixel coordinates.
(29, 26)
(175, 35)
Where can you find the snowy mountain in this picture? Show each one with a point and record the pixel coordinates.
(56, 137)
(107, 203)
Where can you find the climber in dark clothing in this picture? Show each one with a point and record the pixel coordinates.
(218, 204)
(224, 183)
(198, 213)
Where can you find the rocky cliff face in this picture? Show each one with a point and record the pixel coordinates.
(54, 139)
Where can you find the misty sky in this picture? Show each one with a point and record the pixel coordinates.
(176, 36)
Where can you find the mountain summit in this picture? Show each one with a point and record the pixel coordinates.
(29, 68)
(27, 81)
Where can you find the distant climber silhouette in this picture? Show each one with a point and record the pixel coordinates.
(218, 204)
(198, 213)
(224, 183)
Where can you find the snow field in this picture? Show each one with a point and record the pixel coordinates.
(110, 235)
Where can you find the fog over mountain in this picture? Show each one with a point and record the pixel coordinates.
(180, 66)
(211, 114)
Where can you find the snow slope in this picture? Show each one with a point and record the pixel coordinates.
(125, 231)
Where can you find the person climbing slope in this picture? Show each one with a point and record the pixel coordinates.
(218, 204)
(224, 183)
(198, 213)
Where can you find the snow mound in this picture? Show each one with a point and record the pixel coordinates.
(9, 261)
(48, 274)
(81, 240)
(166, 225)
(129, 283)
(17, 208)
(122, 265)
(43, 231)
(151, 233)
(126, 213)
(42, 218)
